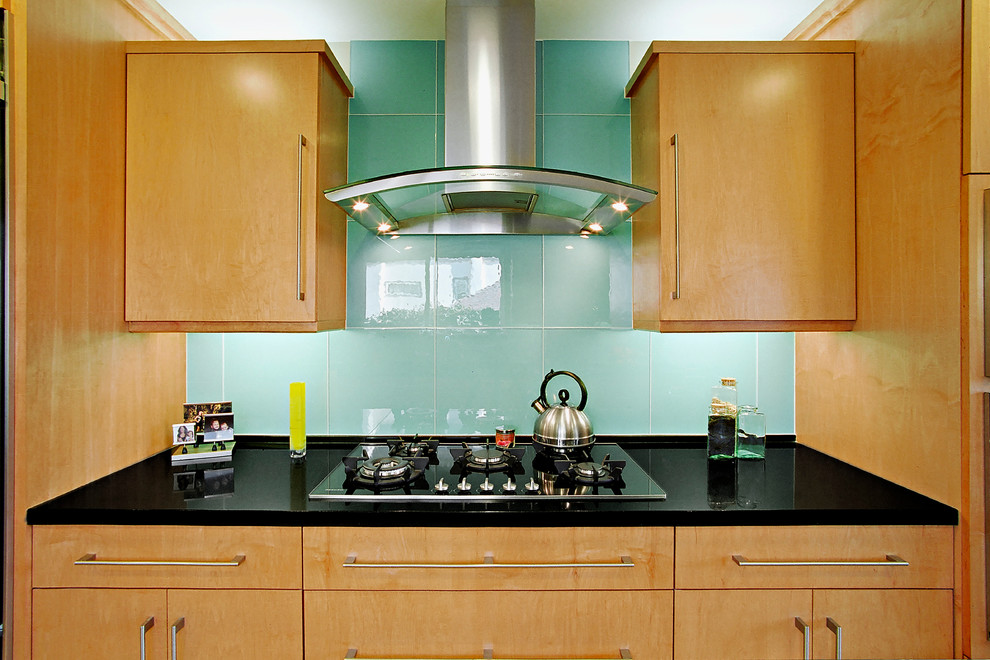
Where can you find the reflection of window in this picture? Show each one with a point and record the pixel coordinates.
(407, 289)
(461, 287)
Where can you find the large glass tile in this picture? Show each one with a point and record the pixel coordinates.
(489, 281)
(440, 73)
(487, 378)
(204, 367)
(603, 148)
(382, 382)
(390, 281)
(258, 368)
(775, 396)
(585, 77)
(615, 368)
(589, 280)
(388, 144)
(686, 366)
(393, 77)
(540, 78)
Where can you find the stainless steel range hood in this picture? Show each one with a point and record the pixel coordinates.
(490, 184)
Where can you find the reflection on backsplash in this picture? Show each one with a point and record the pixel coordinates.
(469, 291)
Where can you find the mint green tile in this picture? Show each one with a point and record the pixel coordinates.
(393, 77)
(539, 78)
(489, 281)
(539, 141)
(585, 77)
(775, 395)
(390, 281)
(204, 367)
(588, 281)
(487, 378)
(684, 369)
(382, 382)
(603, 147)
(387, 144)
(258, 368)
(615, 368)
(441, 80)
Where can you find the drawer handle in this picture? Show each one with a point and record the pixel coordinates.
(891, 560)
(806, 631)
(489, 562)
(91, 560)
(179, 624)
(148, 624)
(489, 654)
(834, 626)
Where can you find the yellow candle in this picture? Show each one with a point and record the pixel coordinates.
(297, 420)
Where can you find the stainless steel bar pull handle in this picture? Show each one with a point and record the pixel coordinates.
(677, 217)
(890, 560)
(148, 624)
(834, 626)
(489, 562)
(179, 624)
(806, 631)
(488, 654)
(300, 295)
(91, 560)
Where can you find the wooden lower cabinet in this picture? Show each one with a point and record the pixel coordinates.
(217, 623)
(759, 624)
(461, 624)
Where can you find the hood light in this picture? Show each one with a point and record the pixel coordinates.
(360, 206)
(619, 207)
(595, 227)
(385, 228)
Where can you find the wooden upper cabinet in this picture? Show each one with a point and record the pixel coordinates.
(976, 87)
(229, 148)
(752, 149)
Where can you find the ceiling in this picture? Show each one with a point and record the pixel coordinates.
(341, 21)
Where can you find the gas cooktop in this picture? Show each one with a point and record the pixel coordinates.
(480, 471)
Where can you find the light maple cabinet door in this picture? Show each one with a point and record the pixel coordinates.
(753, 154)
(249, 624)
(883, 623)
(228, 153)
(99, 623)
(740, 624)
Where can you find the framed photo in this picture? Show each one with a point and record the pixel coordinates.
(184, 433)
(218, 427)
(195, 412)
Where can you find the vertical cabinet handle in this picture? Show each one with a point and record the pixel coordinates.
(148, 624)
(488, 651)
(834, 626)
(806, 631)
(299, 213)
(179, 624)
(677, 217)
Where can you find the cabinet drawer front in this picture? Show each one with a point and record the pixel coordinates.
(437, 558)
(172, 556)
(818, 556)
(524, 624)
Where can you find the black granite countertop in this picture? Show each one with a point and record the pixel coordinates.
(794, 485)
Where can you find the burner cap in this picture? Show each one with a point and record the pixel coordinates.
(590, 470)
(488, 456)
(386, 467)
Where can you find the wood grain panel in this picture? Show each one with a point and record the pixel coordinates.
(976, 87)
(98, 623)
(742, 625)
(886, 397)
(521, 624)
(82, 385)
(884, 623)
(272, 556)
(326, 549)
(704, 557)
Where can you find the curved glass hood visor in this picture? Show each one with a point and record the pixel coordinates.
(490, 200)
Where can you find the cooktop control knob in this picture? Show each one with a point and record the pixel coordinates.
(509, 486)
(463, 486)
(441, 488)
(487, 486)
(532, 486)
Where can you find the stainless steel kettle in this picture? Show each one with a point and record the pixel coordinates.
(562, 427)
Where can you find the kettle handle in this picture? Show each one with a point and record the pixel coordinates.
(551, 374)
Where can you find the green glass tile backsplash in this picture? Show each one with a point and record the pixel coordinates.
(453, 334)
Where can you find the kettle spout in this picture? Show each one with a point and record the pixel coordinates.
(539, 406)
